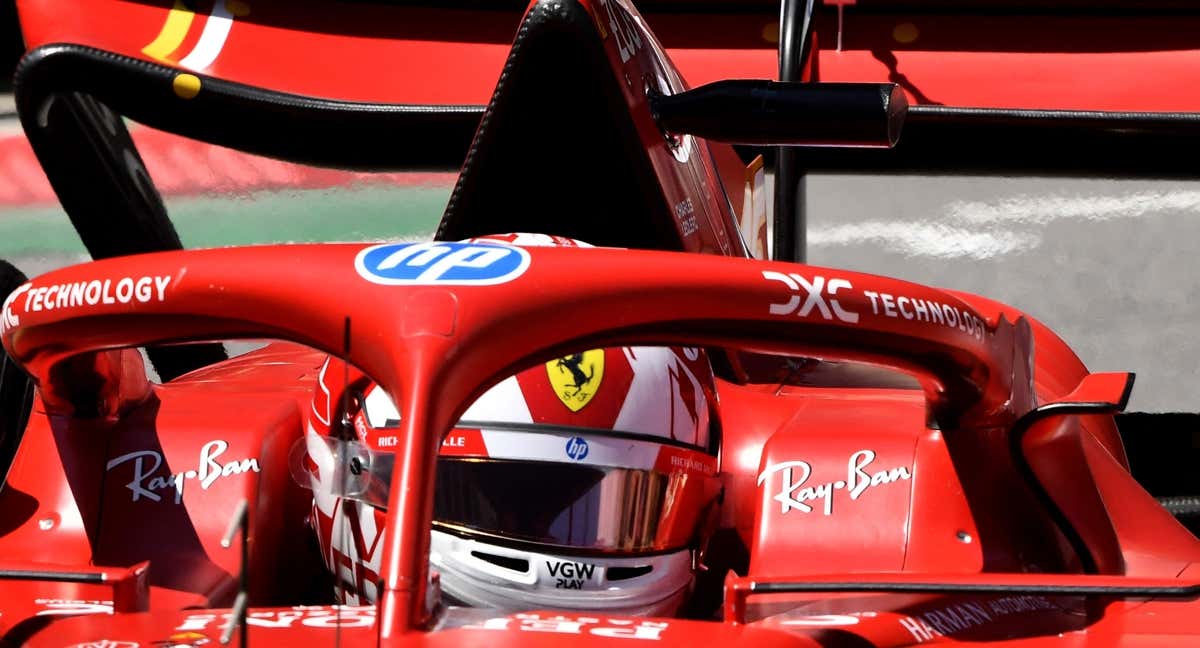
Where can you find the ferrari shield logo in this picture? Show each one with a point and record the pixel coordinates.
(575, 378)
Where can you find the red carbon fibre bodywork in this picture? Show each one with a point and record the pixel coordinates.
(951, 482)
(1017, 58)
(448, 348)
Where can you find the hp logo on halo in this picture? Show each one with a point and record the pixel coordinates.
(463, 264)
(577, 448)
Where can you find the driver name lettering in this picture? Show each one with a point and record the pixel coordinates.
(126, 290)
(817, 296)
(149, 485)
(795, 492)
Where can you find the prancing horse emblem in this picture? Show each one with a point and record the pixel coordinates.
(575, 378)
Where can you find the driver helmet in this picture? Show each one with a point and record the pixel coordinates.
(586, 482)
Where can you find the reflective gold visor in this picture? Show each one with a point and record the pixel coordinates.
(568, 505)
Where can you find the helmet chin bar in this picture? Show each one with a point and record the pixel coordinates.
(483, 574)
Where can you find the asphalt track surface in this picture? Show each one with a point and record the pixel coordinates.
(1110, 265)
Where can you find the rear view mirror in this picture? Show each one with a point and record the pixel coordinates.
(1098, 393)
(744, 111)
(1047, 446)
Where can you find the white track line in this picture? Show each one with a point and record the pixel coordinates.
(1041, 210)
(918, 238)
(984, 230)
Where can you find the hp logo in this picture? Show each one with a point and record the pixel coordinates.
(577, 448)
(463, 264)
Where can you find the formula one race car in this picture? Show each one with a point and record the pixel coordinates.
(660, 438)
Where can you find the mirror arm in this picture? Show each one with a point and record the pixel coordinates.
(1063, 407)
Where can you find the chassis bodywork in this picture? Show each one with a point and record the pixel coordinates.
(984, 492)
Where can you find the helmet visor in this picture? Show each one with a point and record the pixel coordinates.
(565, 505)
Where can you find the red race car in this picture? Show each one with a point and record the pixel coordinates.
(586, 411)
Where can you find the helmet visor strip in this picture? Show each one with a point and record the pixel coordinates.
(649, 505)
(563, 505)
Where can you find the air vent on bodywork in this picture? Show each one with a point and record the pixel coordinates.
(515, 564)
(626, 573)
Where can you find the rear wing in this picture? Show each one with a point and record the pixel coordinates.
(1001, 86)
(1018, 54)
(1051, 86)
(1090, 55)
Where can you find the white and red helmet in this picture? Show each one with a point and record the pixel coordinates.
(584, 482)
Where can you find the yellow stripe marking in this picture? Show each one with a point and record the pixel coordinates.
(174, 30)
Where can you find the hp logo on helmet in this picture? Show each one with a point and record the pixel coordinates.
(577, 448)
(463, 264)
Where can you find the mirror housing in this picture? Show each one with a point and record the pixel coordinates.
(773, 113)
